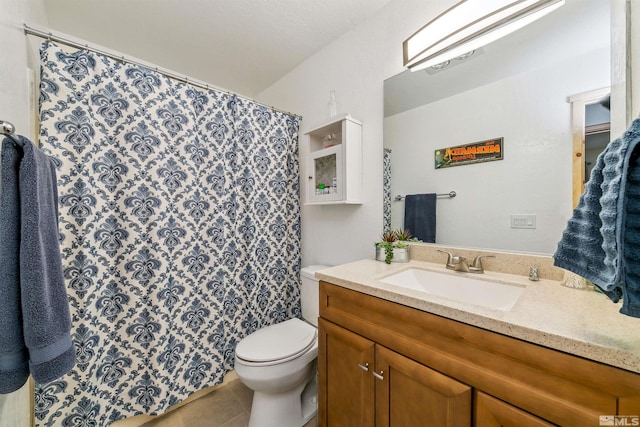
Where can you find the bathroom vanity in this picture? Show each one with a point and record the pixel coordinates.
(395, 356)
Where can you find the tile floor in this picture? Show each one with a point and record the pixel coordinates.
(226, 406)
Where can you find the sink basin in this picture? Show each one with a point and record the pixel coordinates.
(499, 296)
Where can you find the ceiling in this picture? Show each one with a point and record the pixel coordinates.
(243, 46)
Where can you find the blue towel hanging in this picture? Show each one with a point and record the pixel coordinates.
(420, 216)
(35, 337)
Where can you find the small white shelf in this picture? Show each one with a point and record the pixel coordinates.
(334, 202)
(334, 162)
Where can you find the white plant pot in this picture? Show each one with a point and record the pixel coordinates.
(399, 254)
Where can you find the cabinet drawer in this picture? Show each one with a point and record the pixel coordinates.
(561, 388)
(491, 412)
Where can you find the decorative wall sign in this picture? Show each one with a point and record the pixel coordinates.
(483, 151)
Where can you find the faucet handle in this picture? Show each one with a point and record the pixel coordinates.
(476, 266)
(450, 263)
(460, 264)
(449, 256)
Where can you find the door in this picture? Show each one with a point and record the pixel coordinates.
(326, 178)
(410, 394)
(491, 412)
(580, 129)
(345, 381)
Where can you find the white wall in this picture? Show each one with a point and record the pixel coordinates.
(16, 408)
(355, 66)
(634, 53)
(625, 46)
(18, 55)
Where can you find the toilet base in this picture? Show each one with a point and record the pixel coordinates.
(310, 400)
(291, 409)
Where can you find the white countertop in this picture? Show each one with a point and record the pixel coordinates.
(579, 322)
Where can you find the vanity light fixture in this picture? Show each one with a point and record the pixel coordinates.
(451, 62)
(469, 25)
(441, 65)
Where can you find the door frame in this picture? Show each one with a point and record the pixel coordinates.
(579, 103)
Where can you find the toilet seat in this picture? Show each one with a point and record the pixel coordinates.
(277, 343)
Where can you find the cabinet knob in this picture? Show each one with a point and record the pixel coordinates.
(364, 367)
(379, 376)
(310, 177)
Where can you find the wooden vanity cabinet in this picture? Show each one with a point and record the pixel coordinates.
(382, 363)
(366, 384)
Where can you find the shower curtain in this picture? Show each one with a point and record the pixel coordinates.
(179, 226)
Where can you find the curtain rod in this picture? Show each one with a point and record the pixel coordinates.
(193, 82)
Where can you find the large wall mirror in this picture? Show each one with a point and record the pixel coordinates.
(517, 88)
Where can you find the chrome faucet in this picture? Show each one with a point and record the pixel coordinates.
(476, 266)
(456, 263)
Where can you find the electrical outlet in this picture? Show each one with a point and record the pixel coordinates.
(523, 221)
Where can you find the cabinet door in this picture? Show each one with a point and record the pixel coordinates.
(326, 167)
(410, 394)
(491, 412)
(345, 384)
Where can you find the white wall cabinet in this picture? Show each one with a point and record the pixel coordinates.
(334, 162)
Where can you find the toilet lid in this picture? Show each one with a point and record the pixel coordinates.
(281, 341)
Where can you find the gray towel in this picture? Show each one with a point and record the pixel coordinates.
(420, 216)
(14, 369)
(44, 307)
(601, 239)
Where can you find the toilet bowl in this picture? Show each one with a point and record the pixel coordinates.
(279, 362)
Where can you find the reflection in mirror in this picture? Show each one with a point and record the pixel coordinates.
(597, 135)
(516, 88)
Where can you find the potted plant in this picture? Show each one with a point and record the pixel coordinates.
(393, 247)
(403, 234)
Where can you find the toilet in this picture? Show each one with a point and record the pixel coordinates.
(278, 363)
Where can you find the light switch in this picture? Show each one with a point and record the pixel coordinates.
(523, 221)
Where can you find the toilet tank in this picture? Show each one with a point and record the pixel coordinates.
(309, 293)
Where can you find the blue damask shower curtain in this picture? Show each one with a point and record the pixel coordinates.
(180, 231)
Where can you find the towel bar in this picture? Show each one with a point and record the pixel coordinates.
(450, 194)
